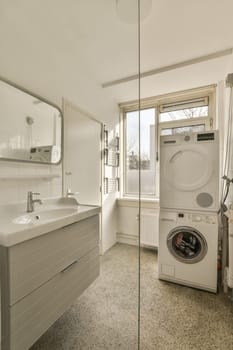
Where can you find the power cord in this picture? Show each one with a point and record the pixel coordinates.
(228, 183)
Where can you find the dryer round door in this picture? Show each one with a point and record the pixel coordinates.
(187, 244)
(188, 169)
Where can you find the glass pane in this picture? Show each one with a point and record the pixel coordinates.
(188, 113)
(78, 51)
(147, 152)
(183, 129)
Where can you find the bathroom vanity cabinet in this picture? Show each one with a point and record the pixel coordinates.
(41, 277)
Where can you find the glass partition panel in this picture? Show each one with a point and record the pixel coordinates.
(80, 282)
(180, 264)
(85, 52)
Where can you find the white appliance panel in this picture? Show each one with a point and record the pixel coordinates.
(202, 274)
(189, 172)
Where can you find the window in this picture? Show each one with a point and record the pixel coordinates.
(184, 129)
(147, 152)
(184, 116)
(183, 110)
(191, 111)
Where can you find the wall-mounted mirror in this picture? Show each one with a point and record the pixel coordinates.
(31, 127)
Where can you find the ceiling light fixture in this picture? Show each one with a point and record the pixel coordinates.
(127, 10)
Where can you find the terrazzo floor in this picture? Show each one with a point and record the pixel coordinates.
(173, 317)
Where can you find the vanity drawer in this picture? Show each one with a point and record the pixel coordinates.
(34, 314)
(34, 262)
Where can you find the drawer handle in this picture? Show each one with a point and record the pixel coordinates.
(69, 266)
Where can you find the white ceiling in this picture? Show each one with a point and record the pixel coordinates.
(70, 38)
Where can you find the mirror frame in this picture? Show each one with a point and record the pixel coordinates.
(26, 91)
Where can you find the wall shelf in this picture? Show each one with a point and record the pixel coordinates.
(111, 150)
(111, 185)
(111, 156)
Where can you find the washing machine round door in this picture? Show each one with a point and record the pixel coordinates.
(187, 244)
(188, 169)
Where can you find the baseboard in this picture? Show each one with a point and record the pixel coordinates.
(127, 239)
(212, 289)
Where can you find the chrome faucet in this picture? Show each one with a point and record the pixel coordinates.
(69, 193)
(31, 201)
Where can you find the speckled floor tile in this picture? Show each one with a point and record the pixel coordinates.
(173, 317)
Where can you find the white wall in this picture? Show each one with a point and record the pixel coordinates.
(195, 75)
(16, 179)
(82, 155)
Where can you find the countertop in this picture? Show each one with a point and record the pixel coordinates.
(12, 233)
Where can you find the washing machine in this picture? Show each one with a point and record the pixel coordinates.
(189, 171)
(188, 248)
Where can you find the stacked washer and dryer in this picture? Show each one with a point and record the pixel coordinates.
(189, 203)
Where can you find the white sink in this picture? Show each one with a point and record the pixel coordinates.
(16, 225)
(41, 216)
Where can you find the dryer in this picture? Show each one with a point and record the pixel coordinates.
(189, 171)
(188, 248)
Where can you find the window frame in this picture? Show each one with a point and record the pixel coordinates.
(157, 102)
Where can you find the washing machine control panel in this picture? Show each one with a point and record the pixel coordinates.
(202, 218)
